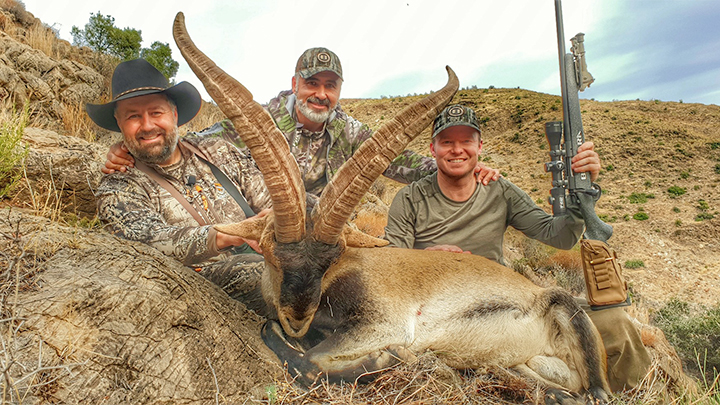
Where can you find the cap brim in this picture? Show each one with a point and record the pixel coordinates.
(452, 124)
(185, 95)
(306, 73)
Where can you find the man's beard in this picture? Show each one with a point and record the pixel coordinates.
(314, 116)
(156, 154)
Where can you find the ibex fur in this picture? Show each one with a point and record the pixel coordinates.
(347, 306)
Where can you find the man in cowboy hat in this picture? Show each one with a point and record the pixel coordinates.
(449, 211)
(321, 136)
(182, 187)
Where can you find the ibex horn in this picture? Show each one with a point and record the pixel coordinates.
(257, 129)
(355, 177)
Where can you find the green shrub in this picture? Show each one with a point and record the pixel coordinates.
(634, 264)
(12, 150)
(684, 174)
(692, 333)
(676, 191)
(640, 216)
(717, 168)
(639, 198)
(703, 216)
(703, 205)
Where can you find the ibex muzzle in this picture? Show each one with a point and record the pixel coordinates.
(366, 307)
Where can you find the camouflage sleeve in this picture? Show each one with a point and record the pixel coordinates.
(406, 168)
(409, 167)
(127, 210)
(250, 179)
(223, 130)
(400, 229)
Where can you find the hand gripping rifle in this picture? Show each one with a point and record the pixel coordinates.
(606, 287)
(570, 187)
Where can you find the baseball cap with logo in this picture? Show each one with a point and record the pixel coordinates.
(316, 60)
(455, 115)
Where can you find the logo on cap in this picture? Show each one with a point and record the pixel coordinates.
(456, 111)
(323, 57)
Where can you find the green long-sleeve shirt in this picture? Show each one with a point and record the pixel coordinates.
(421, 216)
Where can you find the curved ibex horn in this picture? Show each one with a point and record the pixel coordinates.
(257, 129)
(355, 177)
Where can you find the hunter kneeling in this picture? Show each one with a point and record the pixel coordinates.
(179, 189)
(450, 211)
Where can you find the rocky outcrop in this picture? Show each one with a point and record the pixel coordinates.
(102, 320)
(62, 168)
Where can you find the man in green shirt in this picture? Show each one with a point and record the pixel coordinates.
(448, 210)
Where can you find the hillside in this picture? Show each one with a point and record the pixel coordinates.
(646, 147)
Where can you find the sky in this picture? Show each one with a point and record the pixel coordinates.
(665, 50)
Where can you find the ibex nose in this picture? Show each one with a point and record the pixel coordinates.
(296, 327)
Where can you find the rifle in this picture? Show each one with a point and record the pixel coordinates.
(606, 287)
(568, 186)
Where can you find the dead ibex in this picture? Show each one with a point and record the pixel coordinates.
(357, 309)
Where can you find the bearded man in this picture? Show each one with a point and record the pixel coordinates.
(182, 187)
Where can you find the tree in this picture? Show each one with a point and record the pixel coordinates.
(160, 55)
(101, 35)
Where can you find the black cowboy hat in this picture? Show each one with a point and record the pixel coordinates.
(138, 77)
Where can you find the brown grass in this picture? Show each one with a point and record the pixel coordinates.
(424, 381)
(42, 38)
(77, 123)
(209, 114)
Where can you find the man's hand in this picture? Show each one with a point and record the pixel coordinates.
(223, 240)
(587, 160)
(485, 174)
(118, 159)
(447, 248)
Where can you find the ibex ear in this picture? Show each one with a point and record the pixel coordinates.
(250, 228)
(355, 238)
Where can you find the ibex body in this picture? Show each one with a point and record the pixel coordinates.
(350, 306)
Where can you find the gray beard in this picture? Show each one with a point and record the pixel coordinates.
(312, 115)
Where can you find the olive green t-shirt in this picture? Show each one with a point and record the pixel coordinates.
(421, 216)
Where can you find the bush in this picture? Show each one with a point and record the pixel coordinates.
(640, 216)
(639, 198)
(693, 333)
(676, 191)
(12, 149)
(634, 264)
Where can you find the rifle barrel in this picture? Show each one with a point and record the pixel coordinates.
(561, 58)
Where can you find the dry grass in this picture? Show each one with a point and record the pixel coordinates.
(209, 114)
(77, 123)
(424, 381)
(42, 38)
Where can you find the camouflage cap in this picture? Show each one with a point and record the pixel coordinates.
(455, 115)
(316, 60)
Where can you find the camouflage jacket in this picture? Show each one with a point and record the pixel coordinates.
(344, 134)
(136, 207)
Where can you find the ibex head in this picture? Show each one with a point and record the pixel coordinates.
(304, 235)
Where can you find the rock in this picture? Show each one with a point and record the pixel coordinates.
(127, 324)
(68, 165)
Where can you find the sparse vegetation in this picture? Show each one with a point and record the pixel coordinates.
(640, 216)
(12, 149)
(639, 198)
(634, 264)
(694, 332)
(676, 191)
